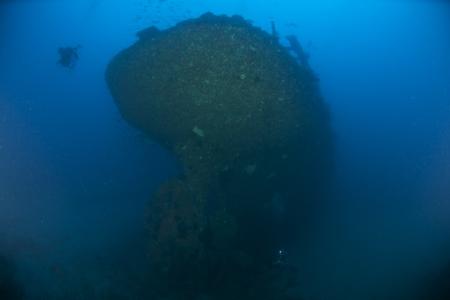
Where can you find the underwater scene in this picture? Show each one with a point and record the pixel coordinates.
(224, 150)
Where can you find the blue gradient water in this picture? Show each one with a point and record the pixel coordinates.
(75, 178)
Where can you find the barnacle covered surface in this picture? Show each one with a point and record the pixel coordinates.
(249, 127)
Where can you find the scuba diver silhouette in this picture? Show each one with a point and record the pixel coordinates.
(68, 56)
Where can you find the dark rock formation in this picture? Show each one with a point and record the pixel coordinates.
(250, 129)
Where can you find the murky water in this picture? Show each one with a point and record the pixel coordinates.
(76, 179)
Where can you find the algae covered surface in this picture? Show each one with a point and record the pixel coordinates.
(250, 129)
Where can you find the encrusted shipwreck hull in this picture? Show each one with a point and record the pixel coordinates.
(250, 129)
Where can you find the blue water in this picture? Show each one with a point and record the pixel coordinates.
(75, 178)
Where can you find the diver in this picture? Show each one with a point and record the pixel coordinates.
(281, 258)
(68, 56)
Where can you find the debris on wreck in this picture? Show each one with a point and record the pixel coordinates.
(298, 50)
(275, 34)
(148, 33)
(212, 232)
